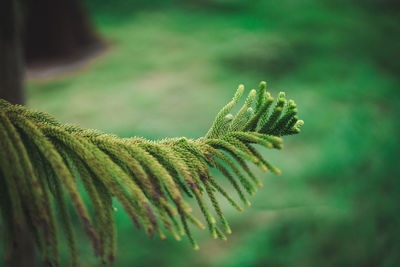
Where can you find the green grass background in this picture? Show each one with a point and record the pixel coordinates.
(173, 64)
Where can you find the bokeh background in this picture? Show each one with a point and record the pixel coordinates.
(170, 65)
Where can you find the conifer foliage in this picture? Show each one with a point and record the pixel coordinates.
(43, 164)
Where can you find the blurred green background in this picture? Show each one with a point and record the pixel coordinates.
(172, 64)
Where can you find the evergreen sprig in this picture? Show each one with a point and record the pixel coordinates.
(42, 162)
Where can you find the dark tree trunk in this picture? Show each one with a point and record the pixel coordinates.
(23, 253)
(11, 61)
(11, 89)
(56, 30)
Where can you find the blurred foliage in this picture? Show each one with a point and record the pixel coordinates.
(336, 203)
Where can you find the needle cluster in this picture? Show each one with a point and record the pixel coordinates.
(43, 165)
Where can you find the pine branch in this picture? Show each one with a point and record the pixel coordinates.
(42, 161)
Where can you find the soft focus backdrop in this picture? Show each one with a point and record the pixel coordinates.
(171, 65)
